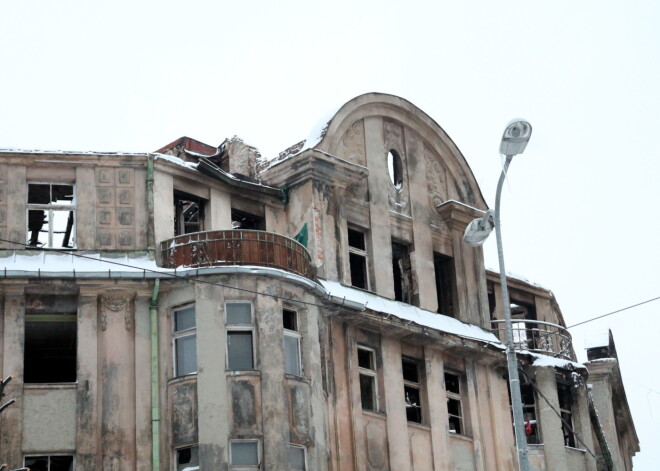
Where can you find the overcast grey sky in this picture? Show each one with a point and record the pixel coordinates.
(579, 209)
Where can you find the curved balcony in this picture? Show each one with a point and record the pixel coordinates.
(541, 337)
(237, 247)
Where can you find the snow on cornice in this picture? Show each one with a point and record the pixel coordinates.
(68, 152)
(176, 160)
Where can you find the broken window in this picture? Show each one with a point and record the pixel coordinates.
(532, 430)
(368, 378)
(184, 338)
(187, 459)
(292, 362)
(454, 389)
(402, 272)
(245, 220)
(50, 339)
(565, 394)
(297, 457)
(524, 333)
(357, 259)
(395, 168)
(49, 463)
(188, 213)
(244, 453)
(412, 390)
(51, 216)
(240, 328)
(445, 284)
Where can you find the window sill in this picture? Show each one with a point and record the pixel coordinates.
(419, 426)
(579, 450)
(458, 436)
(374, 413)
(243, 372)
(182, 379)
(299, 379)
(73, 385)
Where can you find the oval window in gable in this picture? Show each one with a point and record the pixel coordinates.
(395, 168)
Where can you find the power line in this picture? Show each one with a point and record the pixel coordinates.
(614, 312)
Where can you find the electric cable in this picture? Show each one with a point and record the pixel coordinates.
(614, 312)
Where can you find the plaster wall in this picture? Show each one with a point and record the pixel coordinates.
(48, 428)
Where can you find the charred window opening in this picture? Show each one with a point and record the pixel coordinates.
(402, 273)
(395, 168)
(565, 394)
(51, 216)
(187, 459)
(368, 378)
(491, 299)
(357, 256)
(445, 284)
(49, 463)
(532, 430)
(188, 214)
(292, 357)
(245, 220)
(50, 339)
(524, 333)
(454, 389)
(184, 338)
(240, 328)
(412, 389)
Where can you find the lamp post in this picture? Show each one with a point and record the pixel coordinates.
(514, 140)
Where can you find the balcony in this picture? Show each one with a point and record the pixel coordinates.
(541, 337)
(237, 247)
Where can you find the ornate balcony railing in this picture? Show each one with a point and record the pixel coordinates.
(237, 247)
(539, 337)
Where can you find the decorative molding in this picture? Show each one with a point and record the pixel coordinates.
(115, 303)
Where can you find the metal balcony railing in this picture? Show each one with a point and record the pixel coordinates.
(539, 337)
(237, 247)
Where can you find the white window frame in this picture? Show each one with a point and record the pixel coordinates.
(180, 334)
(294, 334)
(457, 397)
(176, 456)
(240, 328)
(49, 208)
(372, 374)
(49, 455)
(362, 253)
(245, 467)
(304, 449)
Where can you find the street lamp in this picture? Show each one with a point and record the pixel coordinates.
(514, 140)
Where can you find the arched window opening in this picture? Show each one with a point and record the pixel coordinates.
(395, 168)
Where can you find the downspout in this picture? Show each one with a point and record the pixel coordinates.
(600, 434)
(151, 243)
(155, 373)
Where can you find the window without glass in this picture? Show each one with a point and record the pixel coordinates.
(188, 213)
(49, 463)
(184, 338)
(395, 168)
(240, 329)
(368, 378)
(532, 430)
(445, 284)
(297, 457)
(525, 334)
(51, 216)
(566, 409)
(412, 390)
(357, 257)
(244, 453)
(402, 273)
(187, 459)
(245, 220)
(292, 363)
(454, 403)
(50, 339)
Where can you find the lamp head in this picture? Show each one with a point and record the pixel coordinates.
(515, 137)
(478, 230)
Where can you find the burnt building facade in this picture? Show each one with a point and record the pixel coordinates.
(200, 307)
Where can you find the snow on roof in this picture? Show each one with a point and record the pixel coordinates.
(546, 360)
(68, 152)
(519, 277)
(177, 160)
(597, 339)
(51, 261)
(409, 313)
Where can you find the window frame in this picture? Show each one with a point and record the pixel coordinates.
(294, 334)
(179, 224)
(304, 450)
(565, 397)
(176, 455)
(460, 398)
(240, 328)
(49, 456)
(372, 374)
(358, 252)
(246, 467)
(176, 335)
(409, 384)
(49, 208)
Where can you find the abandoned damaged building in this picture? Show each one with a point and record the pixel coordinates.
(200, 307)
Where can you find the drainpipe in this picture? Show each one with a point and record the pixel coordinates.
(151, 243)
(155, 392)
